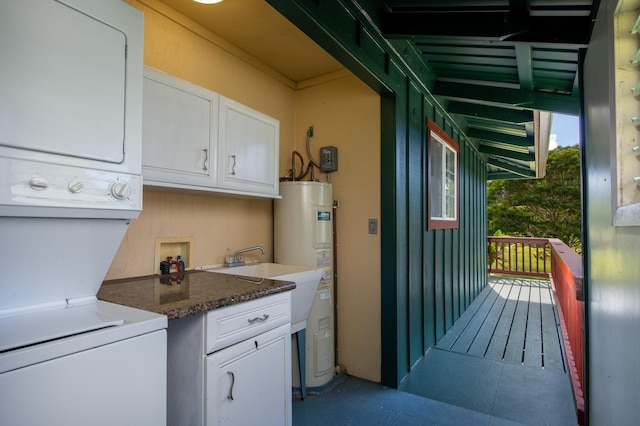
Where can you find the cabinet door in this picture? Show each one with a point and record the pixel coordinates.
(179, 131)
(250, 383)
(248, 150)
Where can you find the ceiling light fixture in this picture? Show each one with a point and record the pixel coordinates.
(208, 1)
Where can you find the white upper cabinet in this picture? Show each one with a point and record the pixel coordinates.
(193, 138)
(179, 132)
(248, 149)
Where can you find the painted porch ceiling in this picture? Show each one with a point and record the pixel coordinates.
(496, 62)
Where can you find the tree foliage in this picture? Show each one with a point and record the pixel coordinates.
(547, 207)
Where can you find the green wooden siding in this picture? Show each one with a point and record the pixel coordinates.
(415, 165)
(428, 277)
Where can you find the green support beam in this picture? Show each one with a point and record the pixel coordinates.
(490, 136)
(499, 96)
(525, 66)
(506, 153)
(512, 168)
(519, 116)
(498, 25)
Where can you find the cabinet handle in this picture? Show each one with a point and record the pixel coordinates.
(233, 166)
(233, 380)
(258, 319)
(206, 157)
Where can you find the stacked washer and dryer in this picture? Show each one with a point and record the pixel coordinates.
(70, 183)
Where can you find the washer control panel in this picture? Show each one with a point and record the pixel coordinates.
(33, 184)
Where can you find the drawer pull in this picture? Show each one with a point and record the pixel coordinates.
(258, 319)
(233, 380)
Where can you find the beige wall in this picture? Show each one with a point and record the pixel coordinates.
(344, 112)
(218, 225)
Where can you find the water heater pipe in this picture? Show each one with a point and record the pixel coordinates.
(336, 204)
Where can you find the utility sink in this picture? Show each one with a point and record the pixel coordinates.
(306, 278)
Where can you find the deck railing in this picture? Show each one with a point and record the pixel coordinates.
(520, 256)
(550, 257)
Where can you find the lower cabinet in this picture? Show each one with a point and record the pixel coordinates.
(231, 366)
(245, 382)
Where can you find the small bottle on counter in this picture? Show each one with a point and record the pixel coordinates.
(180, 262)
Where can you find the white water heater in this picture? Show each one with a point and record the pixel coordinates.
(303, 235)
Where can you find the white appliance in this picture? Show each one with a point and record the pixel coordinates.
(303, 235)
(70, 182)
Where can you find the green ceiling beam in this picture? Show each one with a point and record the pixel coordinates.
(507, 128)
(506, 153)
(464, 48)
(478, 59)
(496, 25)
(490, 136)
(525, 66)
(512, 168)
(501, 96)
(490, 112)
(503, 176)
(497, 77)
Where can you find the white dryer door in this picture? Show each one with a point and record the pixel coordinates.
(62, 81)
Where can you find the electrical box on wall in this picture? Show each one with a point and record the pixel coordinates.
(328, 159)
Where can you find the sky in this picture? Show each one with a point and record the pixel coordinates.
(564, 131)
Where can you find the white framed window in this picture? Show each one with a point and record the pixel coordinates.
(442, 185)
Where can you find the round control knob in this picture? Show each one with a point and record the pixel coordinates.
(75, 186)
(38, 183)
(120, 190)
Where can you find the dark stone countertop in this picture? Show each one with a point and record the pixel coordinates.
(198, 291)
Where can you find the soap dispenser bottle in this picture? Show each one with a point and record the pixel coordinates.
(180, 262)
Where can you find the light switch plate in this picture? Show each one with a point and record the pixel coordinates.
(373, 226)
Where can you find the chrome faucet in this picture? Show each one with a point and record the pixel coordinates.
(234, 261)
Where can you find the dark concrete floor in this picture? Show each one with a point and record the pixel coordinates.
(355, 401)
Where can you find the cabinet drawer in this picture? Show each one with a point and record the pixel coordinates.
(232, 324)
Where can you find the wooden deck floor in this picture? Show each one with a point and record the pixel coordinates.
(503, 357)
(512, 320)
(500, 364)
